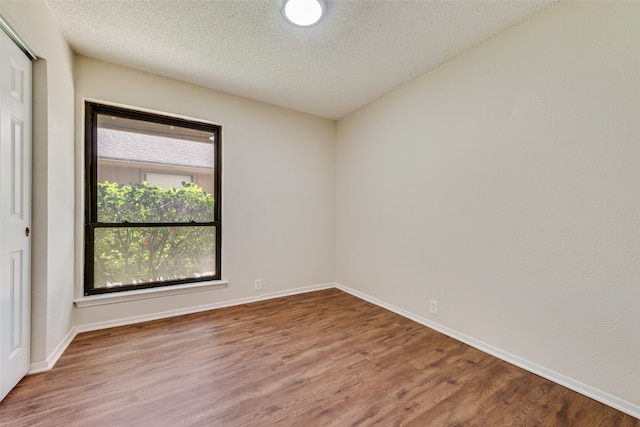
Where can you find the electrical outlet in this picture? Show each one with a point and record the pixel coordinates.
(433, 307)
(258, 285)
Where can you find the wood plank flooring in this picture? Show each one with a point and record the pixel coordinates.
(323, 358)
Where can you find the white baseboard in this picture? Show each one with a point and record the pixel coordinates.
(196, 309)
(577, 386)
(51, 360)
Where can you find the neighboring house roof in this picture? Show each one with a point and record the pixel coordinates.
(136, 147)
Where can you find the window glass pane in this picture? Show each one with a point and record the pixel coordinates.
(137, 255)
(152, 172)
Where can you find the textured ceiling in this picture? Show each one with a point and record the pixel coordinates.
(360, 51)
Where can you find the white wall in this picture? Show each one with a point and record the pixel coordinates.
(53, 176)
(278, 187)
(505, 185)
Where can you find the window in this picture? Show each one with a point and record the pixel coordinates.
(167, 180)
(152, 202)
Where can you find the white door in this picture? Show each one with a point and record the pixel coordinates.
(15, 214)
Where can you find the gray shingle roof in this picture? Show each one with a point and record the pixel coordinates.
(136, 147)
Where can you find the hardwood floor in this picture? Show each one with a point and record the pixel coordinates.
(319, 359)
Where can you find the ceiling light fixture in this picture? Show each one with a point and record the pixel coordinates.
(303, 13)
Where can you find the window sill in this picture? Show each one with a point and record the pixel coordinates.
(116, 297)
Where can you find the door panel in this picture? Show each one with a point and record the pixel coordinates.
(17, 166)
(17, 295)
(15, 214)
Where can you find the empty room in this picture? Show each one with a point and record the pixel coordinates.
(319, 213)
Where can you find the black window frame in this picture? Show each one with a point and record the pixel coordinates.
(92, 110)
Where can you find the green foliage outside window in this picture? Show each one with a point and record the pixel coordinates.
(134, 255)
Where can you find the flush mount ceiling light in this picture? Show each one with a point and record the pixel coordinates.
(303, 13)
